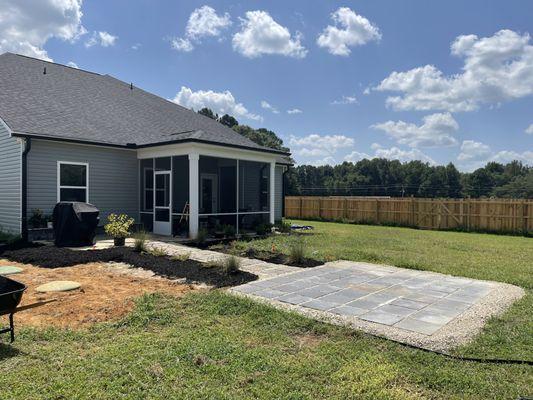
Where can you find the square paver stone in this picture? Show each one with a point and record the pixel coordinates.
(432, 316)
(381, 317)
(293, 298)
(318, 291)
(414, 325)
(269, 293)
(319, 305)
(412, 304)
(349, 311)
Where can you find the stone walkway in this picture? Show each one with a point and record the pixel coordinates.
(420, 308)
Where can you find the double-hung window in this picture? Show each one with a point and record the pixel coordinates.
(72, 181)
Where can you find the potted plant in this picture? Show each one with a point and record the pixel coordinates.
(118, 227)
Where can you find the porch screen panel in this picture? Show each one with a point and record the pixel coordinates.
(180, 183)
(254, 187)
(217, 185)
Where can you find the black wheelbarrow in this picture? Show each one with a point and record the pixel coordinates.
(10, 295)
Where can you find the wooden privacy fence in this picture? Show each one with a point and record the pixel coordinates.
(494, 215)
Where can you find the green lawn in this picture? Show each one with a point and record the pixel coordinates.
(216, 346)
(212, 345)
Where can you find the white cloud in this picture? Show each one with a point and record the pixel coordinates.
(181, 44)
(26, 26)
(324, 161)
(473, 151)
(326, 146)
(476, 154)
(136, 46)
(294, 111)
(260, 35)
(356, 156)
(313, 152)
(219, 102)
(366, 91)
(529, 130)
(350, 30)
(101, 38)
(394, 153)
(329, 142)
(72, 64)
(436, 131)
(268, 106)
(345, 100)
(203, 22)
(496, 69)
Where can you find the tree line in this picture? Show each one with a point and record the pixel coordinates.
(383, 177)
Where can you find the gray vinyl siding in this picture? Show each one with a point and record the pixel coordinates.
(278, 194)
(10, 182)
(113, 177)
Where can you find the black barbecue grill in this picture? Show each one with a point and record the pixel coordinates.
(10, 295)
(75, 223)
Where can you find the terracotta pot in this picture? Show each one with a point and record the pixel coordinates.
(119, 241)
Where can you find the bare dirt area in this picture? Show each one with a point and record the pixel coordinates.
(107, 293)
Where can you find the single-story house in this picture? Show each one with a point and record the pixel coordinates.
(73, 135)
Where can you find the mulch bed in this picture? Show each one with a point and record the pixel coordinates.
(274, 258)
(191, 270)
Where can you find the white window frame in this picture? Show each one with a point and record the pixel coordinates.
(59, 187)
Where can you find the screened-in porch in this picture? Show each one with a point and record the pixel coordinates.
(228, 195)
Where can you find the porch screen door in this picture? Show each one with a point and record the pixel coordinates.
(162, 203)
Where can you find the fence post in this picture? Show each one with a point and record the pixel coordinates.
(300, 208)
(345, 208)
(320, 207)
(377, 211)
(525, 215)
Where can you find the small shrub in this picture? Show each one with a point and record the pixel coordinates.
(140, 241)
(157, 252)
(180, 257)
(231, 265)
(119, 226)
(201, 237)
(297, 252)
(263, 229)
(284, 226)
(228, 230)
(38, 219)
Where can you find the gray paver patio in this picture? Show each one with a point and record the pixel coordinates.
(411, 306)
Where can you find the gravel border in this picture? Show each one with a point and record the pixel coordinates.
(457, 332)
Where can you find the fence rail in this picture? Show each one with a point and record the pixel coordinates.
(495, 215)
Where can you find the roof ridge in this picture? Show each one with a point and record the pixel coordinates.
(51, 62)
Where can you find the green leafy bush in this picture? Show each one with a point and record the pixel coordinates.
(119, 226)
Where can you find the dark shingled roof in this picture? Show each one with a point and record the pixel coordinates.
(71, 104)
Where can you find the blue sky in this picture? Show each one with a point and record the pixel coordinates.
(437, 81)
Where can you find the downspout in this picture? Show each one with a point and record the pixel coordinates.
(24, 191)
(283, 189)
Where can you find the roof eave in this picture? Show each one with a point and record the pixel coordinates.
(135, 146)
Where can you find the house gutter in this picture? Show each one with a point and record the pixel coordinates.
(24, 190)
